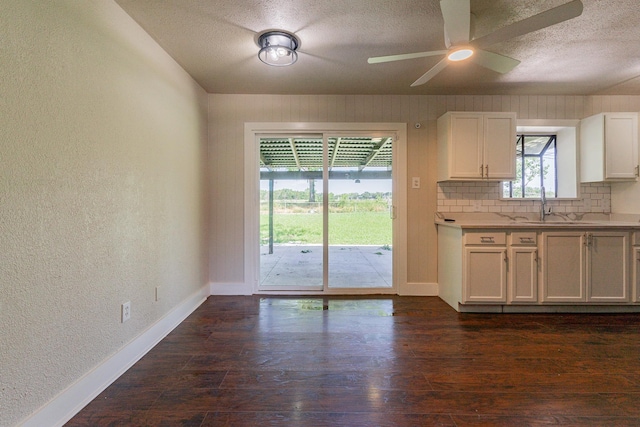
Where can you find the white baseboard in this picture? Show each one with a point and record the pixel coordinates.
(69, 402)
(230, 289)
(419, 289)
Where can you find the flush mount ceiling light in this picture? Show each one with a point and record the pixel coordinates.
(278, 48)
(460, 54)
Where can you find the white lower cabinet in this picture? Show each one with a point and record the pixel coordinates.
(484, 271)
(563, 266)
(607, 266)
(523, 268)
(635, 276)
(485, 274)
(585, 266)
(499, 267)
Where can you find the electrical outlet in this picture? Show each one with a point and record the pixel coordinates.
(157, 293)
(126, 311)
(415, 182)
(477, 205)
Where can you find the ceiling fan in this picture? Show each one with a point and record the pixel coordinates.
(461, 45)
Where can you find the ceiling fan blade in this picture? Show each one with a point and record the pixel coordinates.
(493, 61)
(457, 21)
(533, 23)
(431, 73)
(402, 57)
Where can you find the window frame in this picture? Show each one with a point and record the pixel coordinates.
(520, 139)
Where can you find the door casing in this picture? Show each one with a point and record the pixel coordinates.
(252, 132)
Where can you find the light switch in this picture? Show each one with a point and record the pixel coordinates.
(415, 182)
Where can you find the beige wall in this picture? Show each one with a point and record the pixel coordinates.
(102, 186)
(228, 113)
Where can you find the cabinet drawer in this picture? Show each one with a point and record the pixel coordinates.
(486, 238)
(527, 238)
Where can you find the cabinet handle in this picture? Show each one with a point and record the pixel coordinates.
(486, 240)
(526, 240)
(535, 256)
(487, 171)
(637, 170)
(482, 171)
(588, 239)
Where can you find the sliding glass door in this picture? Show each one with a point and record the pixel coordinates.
(291, 213)
(360, 212)
(326, 209)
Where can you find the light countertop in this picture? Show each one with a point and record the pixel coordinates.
(519, 221)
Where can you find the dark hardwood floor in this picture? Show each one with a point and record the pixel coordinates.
(379, 361)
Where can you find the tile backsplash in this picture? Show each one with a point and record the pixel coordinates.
(467, 197)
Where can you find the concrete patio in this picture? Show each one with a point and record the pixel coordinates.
(349, 266)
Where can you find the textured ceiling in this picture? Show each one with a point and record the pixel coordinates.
(215, 41)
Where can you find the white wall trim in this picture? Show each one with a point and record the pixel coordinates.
(69, 402)
(240, 288)
(419, 289)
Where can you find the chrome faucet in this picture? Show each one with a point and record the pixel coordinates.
(543, 204)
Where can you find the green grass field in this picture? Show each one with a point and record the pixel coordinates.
(360, 228)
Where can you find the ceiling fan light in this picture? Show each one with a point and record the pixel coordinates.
(278, 48)
(460, 54)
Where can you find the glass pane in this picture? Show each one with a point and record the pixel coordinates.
(549, 171)
(506, 189)
(360, 198)
(517, 184)
(291, 212)
(535, 144)
(532, 177)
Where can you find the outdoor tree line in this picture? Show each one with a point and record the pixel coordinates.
(289, 194)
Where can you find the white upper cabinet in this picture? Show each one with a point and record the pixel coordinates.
(476, 146)
(609, 147)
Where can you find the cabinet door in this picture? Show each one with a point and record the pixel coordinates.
(607, 266)
(466, 146)
(636, 274)
(484, 274)
(621, 145)
(499, 156)
(523, 274)
(609, 147)
(563, 258)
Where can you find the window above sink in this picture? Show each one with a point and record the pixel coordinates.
(535, 168)
(546, 156)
